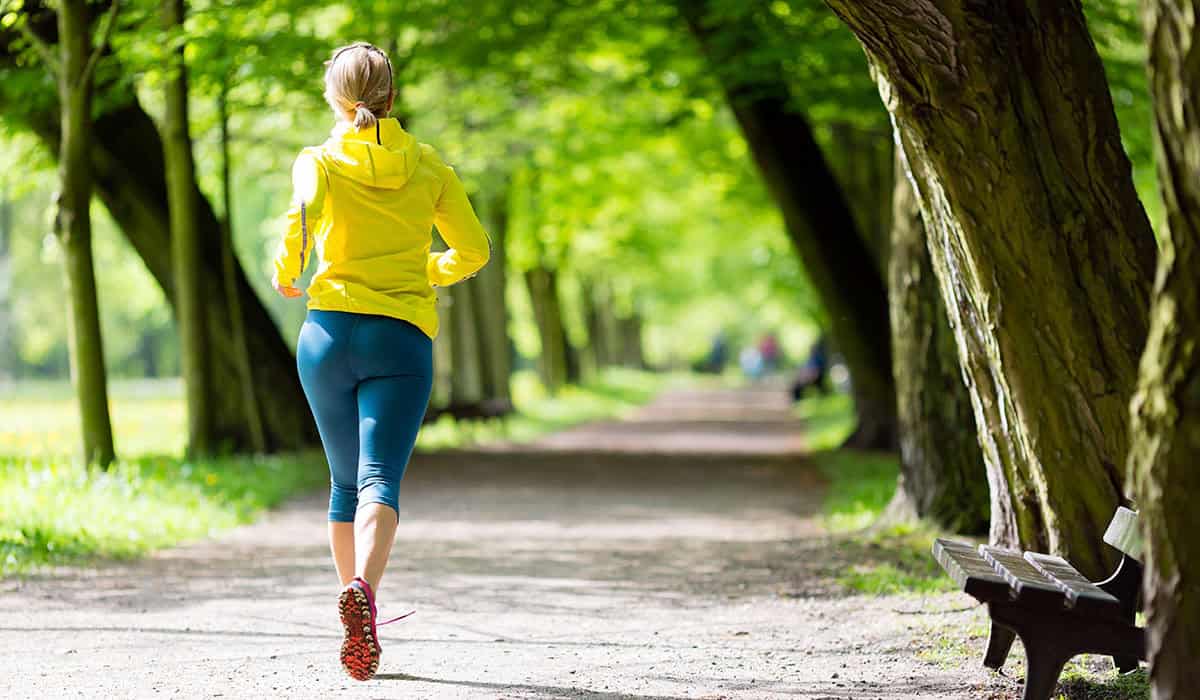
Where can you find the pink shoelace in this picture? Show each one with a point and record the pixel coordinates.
(366, 587)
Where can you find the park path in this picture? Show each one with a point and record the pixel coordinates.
(673, 554)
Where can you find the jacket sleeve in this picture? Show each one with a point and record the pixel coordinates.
(469, 245)
(309, 188)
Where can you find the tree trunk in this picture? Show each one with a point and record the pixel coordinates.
(941, 467)
(466, 382)
(73, 224)
(1042, 250)
(816, 215)
(127, 157)
(1166, 409)
(593, 353)
(543, 295)
(490, 286)
(229, 265)
(862, 161)
(185, 242)
(630, 328)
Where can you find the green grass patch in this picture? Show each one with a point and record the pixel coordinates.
(1093, 678)
(53, 511)
(41, 418)
(828, 420)
(894, 561)
(861, 483)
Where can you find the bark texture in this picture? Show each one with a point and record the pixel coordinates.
(837, 259)
(1164, 462)
(73, 224)
(1041, 247)
(942, 475)
(185, 242)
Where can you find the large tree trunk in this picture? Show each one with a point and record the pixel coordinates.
(816, 215)
(1042, 250)
(942, 475)
(185, 243)
(229, 266)
(1164, 463)
(542, 283)
(73, 224)
(127, 157)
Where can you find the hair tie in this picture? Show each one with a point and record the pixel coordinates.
(359, 104)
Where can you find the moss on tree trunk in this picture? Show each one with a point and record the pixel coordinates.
(185, 242)
(1042, 250)
(73, 224)
(942, 476)
(1164, 462)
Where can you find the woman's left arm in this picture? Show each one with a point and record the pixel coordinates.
(309, 188)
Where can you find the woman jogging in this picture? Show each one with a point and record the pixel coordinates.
(365, 203)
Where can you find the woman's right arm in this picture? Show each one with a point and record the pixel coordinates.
(309, 187)
(456, 221)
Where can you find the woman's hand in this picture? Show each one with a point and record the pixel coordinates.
(287, 290)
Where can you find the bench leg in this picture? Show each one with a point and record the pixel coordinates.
(1043, 663)
(1000, 641)
(1126, 585)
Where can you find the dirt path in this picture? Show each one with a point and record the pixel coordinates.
(672, 555)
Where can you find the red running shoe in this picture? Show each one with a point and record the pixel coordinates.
(360, 649)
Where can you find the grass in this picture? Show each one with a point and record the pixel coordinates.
(54, 511)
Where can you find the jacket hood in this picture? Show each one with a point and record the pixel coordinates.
(383, 156)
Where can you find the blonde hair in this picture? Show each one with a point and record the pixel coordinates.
(358, 81)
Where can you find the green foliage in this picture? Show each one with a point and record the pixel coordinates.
(53, 512)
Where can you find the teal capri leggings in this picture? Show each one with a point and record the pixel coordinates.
(367, 379)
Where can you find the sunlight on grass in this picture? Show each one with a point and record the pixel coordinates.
(53, 510)
(41, 418)
(828, 420)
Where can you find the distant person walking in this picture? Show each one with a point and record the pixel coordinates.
(768, 349)
(365, 202)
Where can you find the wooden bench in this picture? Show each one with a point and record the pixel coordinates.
(1053, 608)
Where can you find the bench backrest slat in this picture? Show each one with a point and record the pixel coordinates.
(1081, 594)
(1123, 533)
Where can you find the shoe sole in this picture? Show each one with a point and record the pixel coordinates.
(360, 649)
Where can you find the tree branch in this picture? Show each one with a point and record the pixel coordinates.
(111, 21)
(43, 49)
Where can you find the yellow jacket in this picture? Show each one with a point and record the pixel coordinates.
(366, 201)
